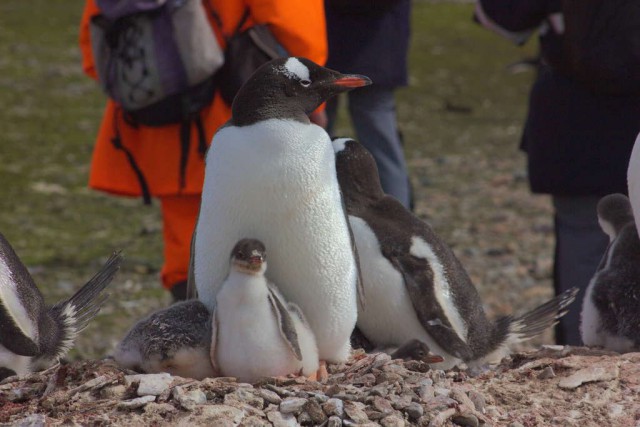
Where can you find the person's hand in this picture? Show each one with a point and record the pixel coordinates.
(319, 118)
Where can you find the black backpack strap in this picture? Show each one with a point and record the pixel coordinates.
(202, 136)
(185, 140)
(117, 143)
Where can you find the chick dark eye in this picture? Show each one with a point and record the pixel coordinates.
(240, 255)
(305, 83)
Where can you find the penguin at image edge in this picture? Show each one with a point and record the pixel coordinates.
(415, 287)
(610, 315)
(34, 336)
(270, 174)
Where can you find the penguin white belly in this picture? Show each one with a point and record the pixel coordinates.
(633, 181)
(276, 181)
(19, 364)
(388, 316)
(249, 344)
(590, 322)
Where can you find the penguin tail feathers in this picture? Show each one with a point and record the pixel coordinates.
(545, 316)
(74, 314)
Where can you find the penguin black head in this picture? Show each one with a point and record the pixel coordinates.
(289, 88)
(249, 256)
(416, 350)
(614, 212)
(357, 171)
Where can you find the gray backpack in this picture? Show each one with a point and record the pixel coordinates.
(158, 60)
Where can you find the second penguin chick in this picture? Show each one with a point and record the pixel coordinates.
(255, 332)
(174, 340)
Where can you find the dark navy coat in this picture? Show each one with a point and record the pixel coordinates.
(369, 37)
(578, 142)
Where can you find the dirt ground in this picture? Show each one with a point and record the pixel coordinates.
(554, 386)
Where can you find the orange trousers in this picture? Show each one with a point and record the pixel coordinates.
(179, 215)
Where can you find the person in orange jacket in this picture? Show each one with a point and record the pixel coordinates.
(299, 26)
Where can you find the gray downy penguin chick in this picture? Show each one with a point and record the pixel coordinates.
(270, 173)
(35, 336)
(416, 350)
(255, 332)
(415, 287)
(176, 340)
(610, 315)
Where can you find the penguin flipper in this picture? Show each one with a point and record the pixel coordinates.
(285, 322)
(429, 312)
(192, 290)
(12, 336)
(214, 340)
(356, 256)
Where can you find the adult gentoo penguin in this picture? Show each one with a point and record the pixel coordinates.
(32, 335)
(415, 287)
(176, 340)
(270, 174)
(255, 332)
(611, 307)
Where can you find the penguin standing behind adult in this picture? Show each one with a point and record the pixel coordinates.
(415, 287)
(176, 340)
(611, 307)
(32, 335)
(270, 173)
(255, 332)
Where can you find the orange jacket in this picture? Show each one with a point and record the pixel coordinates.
(298, 25)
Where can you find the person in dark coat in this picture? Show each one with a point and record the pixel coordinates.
(371, 37)
(578, 143)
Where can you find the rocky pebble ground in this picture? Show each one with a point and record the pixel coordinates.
(564, 386)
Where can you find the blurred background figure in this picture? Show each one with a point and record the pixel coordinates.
(372, 38)
(581, 123)
(156, 150)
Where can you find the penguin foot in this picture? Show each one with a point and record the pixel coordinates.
(321, 374)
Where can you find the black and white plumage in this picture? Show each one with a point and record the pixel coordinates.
(255, 332)
(270, 173)
(610, 315)
(33, 335)
(176, 340)
(415, 287)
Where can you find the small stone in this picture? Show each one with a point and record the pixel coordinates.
(478, 400)
(254, 421)
(466, 420)
(426, 392)
(116, 392)
(334, 407)
(150, 384)
(334, 421)
(400, 402)
(392, 421)
(282, 420)
(189, 399)
(316, 414)
(244, 396)
(441, 391)
(390, 377)
(355, 411)
(304, 418)
(334, 389)
(379, 390)
(589, 374)
(382, 405)
(216, 412)
(546, 373)
(269, 396)
(516, 424)
(33, 420)
(136, 403)
(292, 405)
(159, 408)
(414, 410)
